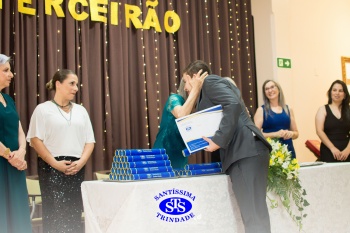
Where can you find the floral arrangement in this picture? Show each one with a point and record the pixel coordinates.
(283, 180)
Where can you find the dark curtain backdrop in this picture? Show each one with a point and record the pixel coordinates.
(125, 74)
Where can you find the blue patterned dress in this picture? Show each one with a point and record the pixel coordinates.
(275, 122)
(168, 136)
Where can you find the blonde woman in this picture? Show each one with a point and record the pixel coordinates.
(275, 118)
(178, 105)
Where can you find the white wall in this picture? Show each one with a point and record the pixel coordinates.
(314, 34)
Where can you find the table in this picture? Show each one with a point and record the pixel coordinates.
(135, 206)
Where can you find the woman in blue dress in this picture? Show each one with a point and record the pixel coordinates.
(178, 105)
(14, 208)
(275, 118)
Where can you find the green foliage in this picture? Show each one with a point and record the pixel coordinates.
(283, 181)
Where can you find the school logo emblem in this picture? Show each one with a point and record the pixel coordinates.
(175, 205)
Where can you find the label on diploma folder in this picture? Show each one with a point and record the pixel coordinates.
(203, 123)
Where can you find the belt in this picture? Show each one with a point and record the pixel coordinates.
(68, 158)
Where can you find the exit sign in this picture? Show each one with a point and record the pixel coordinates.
(284, 63)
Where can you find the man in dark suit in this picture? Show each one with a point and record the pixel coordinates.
(244, 152)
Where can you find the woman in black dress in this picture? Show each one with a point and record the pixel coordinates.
(333, 124)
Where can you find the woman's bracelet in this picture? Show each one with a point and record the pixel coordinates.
(7, 153)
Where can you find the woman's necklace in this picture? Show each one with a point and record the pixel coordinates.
(69, 121)
(61, 106)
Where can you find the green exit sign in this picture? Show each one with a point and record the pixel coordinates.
(284, 63)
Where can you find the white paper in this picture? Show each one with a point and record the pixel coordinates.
(194, 126)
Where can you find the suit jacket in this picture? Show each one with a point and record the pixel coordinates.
(236, 131)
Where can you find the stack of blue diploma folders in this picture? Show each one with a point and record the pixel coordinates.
(200, 169)
(140, 164)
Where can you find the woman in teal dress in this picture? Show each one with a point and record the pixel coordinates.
(178, 105)
(14, 208)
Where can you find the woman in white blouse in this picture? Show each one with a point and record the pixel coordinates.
(61, 133)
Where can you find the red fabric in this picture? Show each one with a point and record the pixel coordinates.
(314, 146)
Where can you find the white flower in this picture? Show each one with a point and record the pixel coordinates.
(283, 180)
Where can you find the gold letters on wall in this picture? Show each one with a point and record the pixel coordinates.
(99, 9)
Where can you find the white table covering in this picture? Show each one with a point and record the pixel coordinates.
(132, 207)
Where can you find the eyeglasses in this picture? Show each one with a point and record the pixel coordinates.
(270, 88)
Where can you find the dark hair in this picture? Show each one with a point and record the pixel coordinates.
(60, 76)
(196, 66)
(345, 112)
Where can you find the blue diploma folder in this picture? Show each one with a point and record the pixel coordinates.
(140, 151)
(155, 163)
(202, 166)
(136, 158)
(129, 171)
(152, 175)
(144, 176)
(204, 171)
